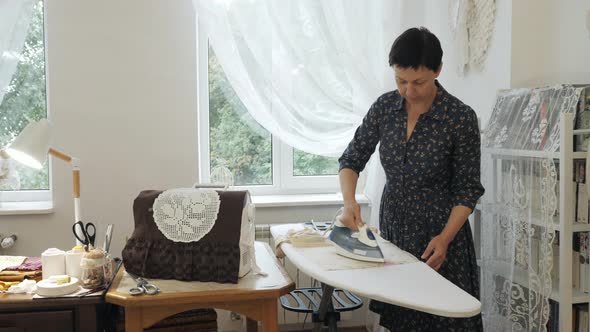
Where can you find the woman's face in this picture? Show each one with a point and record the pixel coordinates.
(416, 86)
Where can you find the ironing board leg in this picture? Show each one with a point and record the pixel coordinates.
(317, 327)
(326, 311)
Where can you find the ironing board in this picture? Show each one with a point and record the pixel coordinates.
(411, 285)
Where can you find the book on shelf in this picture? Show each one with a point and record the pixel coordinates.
(583, 121)
(580, 317)
(584, 263)
(581, 191)
(553, 321)
(580, 262)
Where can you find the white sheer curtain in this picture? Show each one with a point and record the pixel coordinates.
(306, 70)
(15, 16)
(519, 206)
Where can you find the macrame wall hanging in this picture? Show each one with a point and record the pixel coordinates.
(472, 26)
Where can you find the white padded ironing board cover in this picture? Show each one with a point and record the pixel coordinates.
(411, 285)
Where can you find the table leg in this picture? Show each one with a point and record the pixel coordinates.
(270, 322)
(251, 325)
(133, 320)
(86, 317)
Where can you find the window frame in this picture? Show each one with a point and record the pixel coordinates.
(22, 196)
(36, 195)
(283, 180)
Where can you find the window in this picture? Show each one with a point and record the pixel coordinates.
(25, 100)
(231, 140)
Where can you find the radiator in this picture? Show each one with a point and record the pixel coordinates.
(301, 280)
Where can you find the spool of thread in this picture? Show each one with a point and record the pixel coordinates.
(73, 258)
(53, 262)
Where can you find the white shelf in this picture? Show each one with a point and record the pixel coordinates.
(519, 153)
(577, 296)
(580, 297)
(564, 222)
(520, 276)
(580, 227)
(536, 219)
(504, 153)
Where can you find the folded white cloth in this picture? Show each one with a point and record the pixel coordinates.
(26, 286)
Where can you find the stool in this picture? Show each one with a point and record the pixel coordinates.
(328, 310)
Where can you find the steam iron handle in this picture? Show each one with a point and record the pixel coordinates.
(364, 236)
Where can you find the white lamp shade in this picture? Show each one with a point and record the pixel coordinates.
(30, 147)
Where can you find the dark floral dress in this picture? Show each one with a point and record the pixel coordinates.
(426, 176)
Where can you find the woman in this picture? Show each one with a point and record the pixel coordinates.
(430, 151)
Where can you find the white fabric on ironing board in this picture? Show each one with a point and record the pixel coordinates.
(325, 255)
(412, 285)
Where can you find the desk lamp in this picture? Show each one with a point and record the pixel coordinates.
(30, 148)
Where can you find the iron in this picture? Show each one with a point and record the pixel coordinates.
(360, 245)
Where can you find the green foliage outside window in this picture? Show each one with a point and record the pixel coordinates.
(245, 151)
(25, 98)
(242, 145)
(307, 164)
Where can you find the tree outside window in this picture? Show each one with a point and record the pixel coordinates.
(241, 145)
(25, 99)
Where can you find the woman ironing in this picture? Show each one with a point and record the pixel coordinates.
(430, 151)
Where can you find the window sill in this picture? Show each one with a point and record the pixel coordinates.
(14, 208)
(263, 201)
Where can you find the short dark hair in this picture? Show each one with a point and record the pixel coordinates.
(416, 47)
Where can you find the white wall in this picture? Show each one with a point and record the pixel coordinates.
(568, 43)
(121, 77)
(535, 43)
(552, 46)
(530, 42)
(122, 98)
(476, 89)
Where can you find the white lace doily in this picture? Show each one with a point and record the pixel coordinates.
(186, 214)
(480, 24)
(472, 26)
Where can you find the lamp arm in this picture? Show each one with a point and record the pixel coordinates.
(76, 177)
(60, 155)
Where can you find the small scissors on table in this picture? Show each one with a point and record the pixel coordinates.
(88, 232)
(143, 286)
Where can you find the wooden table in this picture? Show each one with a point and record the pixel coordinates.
(254, 296)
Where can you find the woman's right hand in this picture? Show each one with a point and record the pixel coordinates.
(351, 216)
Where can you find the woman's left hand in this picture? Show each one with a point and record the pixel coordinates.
(436, 252)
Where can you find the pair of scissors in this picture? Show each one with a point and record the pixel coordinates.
(88, 232)
(143, 286)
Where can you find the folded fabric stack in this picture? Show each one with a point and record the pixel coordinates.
(29, 269)
(5, 285)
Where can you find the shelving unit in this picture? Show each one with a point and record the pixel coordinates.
(563, 222)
